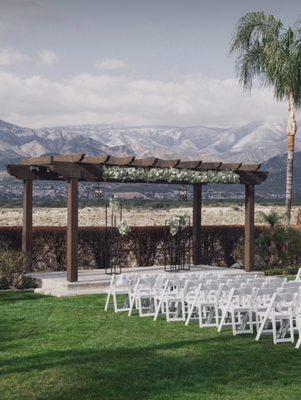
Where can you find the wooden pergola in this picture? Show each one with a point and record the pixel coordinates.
(79, 167)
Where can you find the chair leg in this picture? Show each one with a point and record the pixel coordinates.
(115, 302)
(233, 317)
(291, 322)
(251, 321)
(221, 323)
(274, 325)
(107, 301)
(158, 307)
(189, 315)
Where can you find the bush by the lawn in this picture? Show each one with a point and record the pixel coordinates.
(12, 271)
(221, 245)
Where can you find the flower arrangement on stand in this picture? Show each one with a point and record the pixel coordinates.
(124, 228)
(177, 244)
(176, 223)
(115, 205)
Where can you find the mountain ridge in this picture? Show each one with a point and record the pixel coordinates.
(257, 141)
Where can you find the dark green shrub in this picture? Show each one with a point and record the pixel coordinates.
(221, 245)
(4, 283)
(287, 247)
(12, 271)
(291, 270)
(12, 264)
(24, 282)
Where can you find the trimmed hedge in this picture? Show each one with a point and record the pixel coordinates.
(141, 247)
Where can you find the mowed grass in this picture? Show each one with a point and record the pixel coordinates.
(70, 348)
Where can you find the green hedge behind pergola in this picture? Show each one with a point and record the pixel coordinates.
(79, 167)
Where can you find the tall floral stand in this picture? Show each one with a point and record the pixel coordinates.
(177, 244)
(112, 249)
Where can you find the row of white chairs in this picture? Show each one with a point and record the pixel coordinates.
(216, 299)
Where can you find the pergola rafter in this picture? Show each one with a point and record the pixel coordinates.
(76, 168)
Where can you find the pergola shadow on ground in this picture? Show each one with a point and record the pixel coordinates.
(79, 167)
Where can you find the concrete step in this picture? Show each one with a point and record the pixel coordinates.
(68, 292)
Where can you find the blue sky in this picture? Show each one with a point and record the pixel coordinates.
(127, 62)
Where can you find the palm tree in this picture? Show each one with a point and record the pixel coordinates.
(271, 52)
(273, 220)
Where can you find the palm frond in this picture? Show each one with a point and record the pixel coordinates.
(268, 51)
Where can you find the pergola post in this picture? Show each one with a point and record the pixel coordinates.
(249, 227)
(27, 222)
(196, 224)
(72, 231)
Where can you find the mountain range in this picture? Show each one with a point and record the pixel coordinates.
(255, 142)
(258, 141)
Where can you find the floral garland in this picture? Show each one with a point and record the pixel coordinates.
(169, 175)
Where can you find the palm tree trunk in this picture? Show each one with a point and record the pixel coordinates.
(291, 132)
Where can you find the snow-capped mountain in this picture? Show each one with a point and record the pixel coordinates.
(255, 142)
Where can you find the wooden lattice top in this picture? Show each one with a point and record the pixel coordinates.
(88, 168)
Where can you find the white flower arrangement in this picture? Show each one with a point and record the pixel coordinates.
(124, 228)
(176, 223)
(115, 205)
(132, 174)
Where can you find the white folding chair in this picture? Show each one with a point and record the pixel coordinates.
(171, 301)
(261, 303)
(207, 304)
(280, 314)
(144, 295)
(239, 308)
(120, 290)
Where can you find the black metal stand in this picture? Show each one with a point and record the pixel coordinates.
(112, 248)
(177, 249)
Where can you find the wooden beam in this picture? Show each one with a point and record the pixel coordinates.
(249, 167)
(120, 161)
(249, 227)
(230, 167)
(144, 162)
(75, 170)
(27, 223)
(189, 164)
(70, 158)
(34, 173)
(209, 165)
(196, 224)
(252, 177)
(72, 231)
(20, 171)
(43, 160)
(167, 163)
(96, 170)
(96, 160)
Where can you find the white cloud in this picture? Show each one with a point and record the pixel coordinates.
(112, 64)
(47, 57)
(36, 101)
(10, 56)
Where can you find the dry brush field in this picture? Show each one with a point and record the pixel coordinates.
(95, 216)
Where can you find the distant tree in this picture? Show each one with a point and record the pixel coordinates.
(271, 52)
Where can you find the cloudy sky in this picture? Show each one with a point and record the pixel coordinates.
(129, 62)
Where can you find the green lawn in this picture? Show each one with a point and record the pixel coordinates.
(71, 349)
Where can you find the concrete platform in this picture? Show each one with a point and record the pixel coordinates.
(91, 281)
